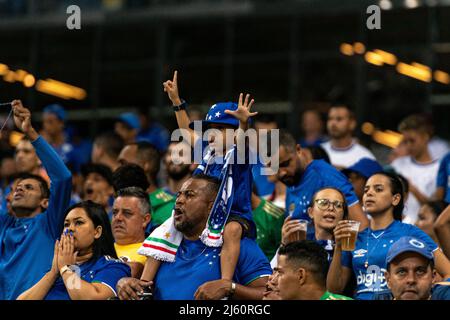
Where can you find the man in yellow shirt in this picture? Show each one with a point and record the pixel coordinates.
(146, 156)
(130, 215)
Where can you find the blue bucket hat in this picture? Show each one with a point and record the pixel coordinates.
(130, 119)
(217, 115)
(57, 110)
(365, 167)
(408, 244)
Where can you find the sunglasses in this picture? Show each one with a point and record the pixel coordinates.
(324, 204)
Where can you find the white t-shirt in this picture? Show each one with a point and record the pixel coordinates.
(346, 157)
(438, 148)
(423, 176)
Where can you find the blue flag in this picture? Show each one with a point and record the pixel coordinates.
(212, 236)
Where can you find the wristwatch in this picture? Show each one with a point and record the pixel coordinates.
(182, 106)
(64, 269)
(233, 289)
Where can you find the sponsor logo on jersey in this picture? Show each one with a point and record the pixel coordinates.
(373, 278)
(359, 253)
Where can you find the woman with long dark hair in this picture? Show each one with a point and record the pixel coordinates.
(85, 264)
(383, 201)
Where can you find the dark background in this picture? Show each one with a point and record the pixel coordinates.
(285, 53)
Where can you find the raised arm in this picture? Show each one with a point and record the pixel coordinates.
(442, 230)
(243, 114)
(442, 264)
(22, 119)
(60, 176)
(171, 87)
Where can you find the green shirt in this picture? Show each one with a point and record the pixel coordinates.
(269, 220)
(162, 205)
(332, 296)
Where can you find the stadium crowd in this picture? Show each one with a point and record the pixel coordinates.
(134, 215)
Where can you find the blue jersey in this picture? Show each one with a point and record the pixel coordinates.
(443, 178)
(242, 182)
(196, 264)
(368, 260)
(441, 290)
(328, 245)
(3, 195)
(318, 174)
(263, 186)
(105, 270)
(27, 244)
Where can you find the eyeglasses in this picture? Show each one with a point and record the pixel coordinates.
(324, 204)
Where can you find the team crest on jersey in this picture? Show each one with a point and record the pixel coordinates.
(359, 253)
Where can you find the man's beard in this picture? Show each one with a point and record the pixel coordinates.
(294, 180)
(337, 134)
(185, 227)
(179, 174)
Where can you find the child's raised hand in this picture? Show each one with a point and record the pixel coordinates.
(242, 113)
(171, 87)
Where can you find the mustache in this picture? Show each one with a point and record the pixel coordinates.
(178, 209)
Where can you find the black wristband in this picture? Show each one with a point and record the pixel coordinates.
(182, 106)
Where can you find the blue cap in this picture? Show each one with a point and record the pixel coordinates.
(57, 110)
(217, 115)
(130, 119)
(408, 244)
(365, 167)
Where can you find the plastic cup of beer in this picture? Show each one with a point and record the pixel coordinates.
(349, 243)
(300, 234)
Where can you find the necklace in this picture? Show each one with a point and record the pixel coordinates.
(378, 237)
(182, 253)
